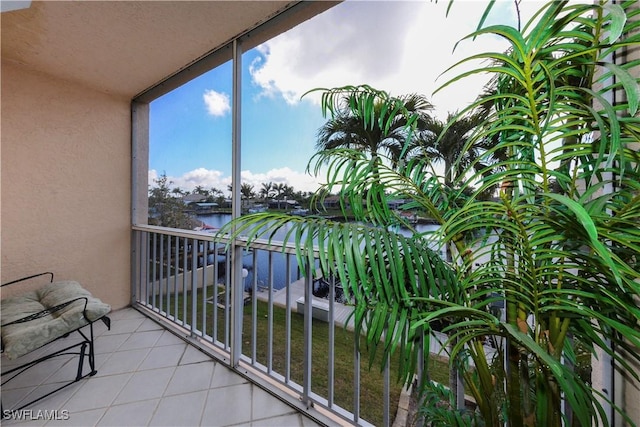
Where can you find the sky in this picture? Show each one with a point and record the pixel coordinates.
(402, 47)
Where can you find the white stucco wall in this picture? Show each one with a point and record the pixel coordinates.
(65, 183)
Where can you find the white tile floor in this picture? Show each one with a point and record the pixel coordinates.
(146, 377)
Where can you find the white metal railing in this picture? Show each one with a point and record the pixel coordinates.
(185, 277)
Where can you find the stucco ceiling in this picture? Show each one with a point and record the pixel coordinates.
(124, 47)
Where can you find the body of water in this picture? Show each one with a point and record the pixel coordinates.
(278, 277)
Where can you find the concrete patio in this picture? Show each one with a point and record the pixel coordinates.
(147, 376)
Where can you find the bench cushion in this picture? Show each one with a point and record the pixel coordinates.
(19, 339)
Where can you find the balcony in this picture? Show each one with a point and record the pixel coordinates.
(147, 376)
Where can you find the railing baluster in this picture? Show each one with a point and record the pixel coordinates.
(308, 341)
(356, 383)
(332, 330)
(176, 264)
(149, 275)
(154, 270)
(287, 281)
(160, 278)
(185, 253)
(270, 317)
(194, 287)
(168, 277)
(387, 390)
(227, 302)
(254, 308)
(205, 264)
(214, 302)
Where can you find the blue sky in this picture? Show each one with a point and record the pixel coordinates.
(401, 47)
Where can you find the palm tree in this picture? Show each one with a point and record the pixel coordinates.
(199, 189)
(279, 189)
(267, 190)
(446, 143)
(246, 190)
(288, 191)
(386, 132)
(559, 246)
(214, 194)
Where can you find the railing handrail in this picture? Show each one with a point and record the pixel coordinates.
(265, 244)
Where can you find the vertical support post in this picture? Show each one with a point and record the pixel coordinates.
(308, 330)
(603, 365)
(139, 192)
(237, 290)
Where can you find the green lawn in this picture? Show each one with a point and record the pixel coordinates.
(371, 380)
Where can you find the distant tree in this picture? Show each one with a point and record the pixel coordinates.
(177, 191)
(166, 208)
(289, 192)
(247, 192)
(279, 190)
(200, 190)
(215, 196)
(210, 195)
(445, 142)
(385, 134)
(266, 191)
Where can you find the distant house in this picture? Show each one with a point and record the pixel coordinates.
(282, 204)
(397, 203)
(193, 198)
(201, 206)
(409, 216)
(331, 202)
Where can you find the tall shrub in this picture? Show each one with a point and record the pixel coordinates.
(557, 246)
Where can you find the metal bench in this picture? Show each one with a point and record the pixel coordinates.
(35, 319)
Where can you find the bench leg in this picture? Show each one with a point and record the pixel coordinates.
(88, 343)
(86, 349)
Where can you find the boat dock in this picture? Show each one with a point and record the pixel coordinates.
(341, 312)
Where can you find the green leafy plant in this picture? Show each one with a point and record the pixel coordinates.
(558, 245)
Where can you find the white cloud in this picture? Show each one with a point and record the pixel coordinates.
(208, 179)
(400, 47)
(205, 178)
(217, 103)
(298, 180)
